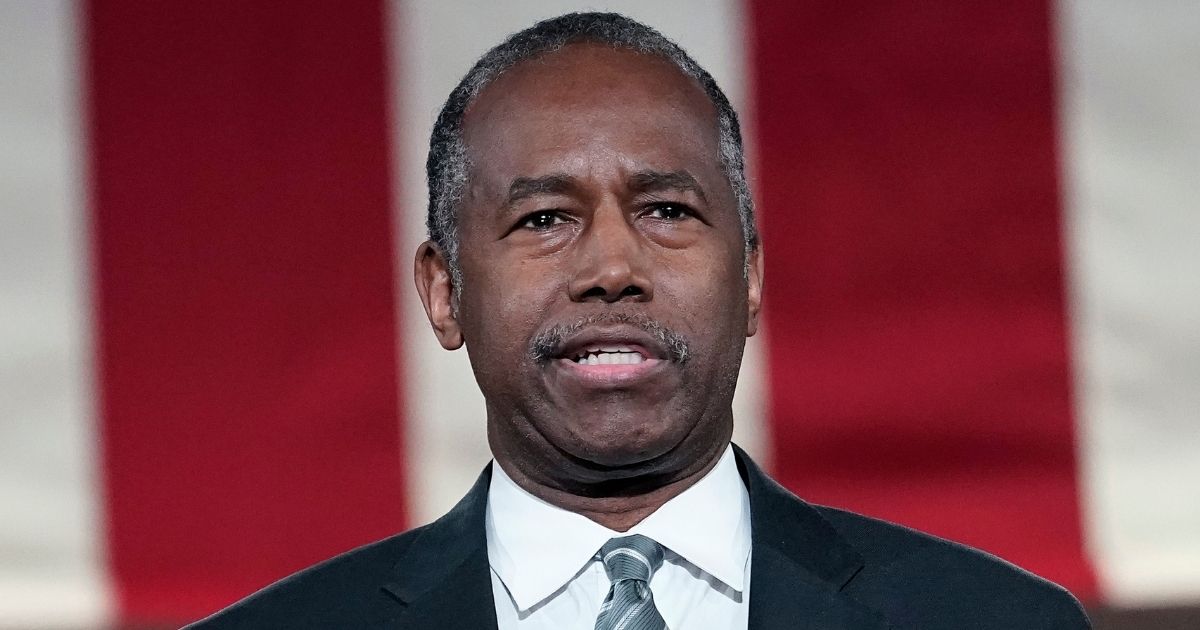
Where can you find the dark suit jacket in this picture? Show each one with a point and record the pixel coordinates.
(811, 567)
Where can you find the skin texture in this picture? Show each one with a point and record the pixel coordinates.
(597, 213)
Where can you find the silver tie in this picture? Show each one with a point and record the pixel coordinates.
(630, 561)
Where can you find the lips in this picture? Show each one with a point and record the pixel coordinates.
(610, 345)
(609, 355)
(606, 358)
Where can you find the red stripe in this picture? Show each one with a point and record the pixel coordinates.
(241, 199)
(910, 195)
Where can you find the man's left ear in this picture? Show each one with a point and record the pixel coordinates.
(754, 288)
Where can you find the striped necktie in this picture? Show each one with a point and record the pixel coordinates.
(630, 561)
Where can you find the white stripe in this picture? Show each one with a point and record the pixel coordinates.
(633, 553)
(435, 43)
(1131, 119)
(51, 572)
(629, 614)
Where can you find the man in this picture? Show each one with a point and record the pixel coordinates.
(592, 244)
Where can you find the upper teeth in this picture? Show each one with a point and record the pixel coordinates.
(609, 356)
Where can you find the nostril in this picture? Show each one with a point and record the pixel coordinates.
(594, 292)
(599, 292)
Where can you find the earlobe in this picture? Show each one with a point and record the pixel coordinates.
(754, 288)
(431, 272)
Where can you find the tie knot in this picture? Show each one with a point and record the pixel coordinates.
(633, 557)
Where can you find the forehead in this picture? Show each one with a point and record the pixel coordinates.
(588, 101)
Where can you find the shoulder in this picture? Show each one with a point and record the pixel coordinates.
(919, 580)
(344, 591)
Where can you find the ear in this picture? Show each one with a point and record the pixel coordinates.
(754, 288)
(432, 275)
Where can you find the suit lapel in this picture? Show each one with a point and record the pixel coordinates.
(799, 564)
(444, 579)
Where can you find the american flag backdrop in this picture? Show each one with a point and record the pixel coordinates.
(982, 233)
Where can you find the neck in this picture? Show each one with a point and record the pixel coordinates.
(621, 501)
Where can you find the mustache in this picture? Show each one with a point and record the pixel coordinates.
(548, 343)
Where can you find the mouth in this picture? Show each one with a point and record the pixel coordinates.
(607, 358)
(609, 355)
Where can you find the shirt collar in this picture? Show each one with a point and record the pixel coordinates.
(536, 548)
(718, 543)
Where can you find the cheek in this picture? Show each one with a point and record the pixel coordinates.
(711, 300)
(501, 308)
(521, 290)
(704, 278)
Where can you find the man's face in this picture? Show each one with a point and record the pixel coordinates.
(604, 303)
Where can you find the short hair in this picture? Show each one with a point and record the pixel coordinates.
(447, 165)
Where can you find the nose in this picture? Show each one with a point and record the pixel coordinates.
(610, 264)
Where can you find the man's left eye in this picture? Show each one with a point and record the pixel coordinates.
(668, 211)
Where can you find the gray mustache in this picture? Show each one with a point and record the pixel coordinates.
(549, 342)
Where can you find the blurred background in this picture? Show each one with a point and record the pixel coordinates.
(983, 299)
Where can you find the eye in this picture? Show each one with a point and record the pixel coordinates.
(541, 220)
(669, 211)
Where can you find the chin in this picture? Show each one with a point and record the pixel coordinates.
(625, 441)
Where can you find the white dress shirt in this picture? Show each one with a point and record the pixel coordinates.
(545, 573)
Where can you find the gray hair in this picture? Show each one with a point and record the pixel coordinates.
(447, 165)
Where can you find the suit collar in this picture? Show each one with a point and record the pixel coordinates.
(443, 580)
(800, 565)
(796, 529)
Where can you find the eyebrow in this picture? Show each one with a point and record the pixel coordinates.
(640, 182)
(655, 181)
(552, 184)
